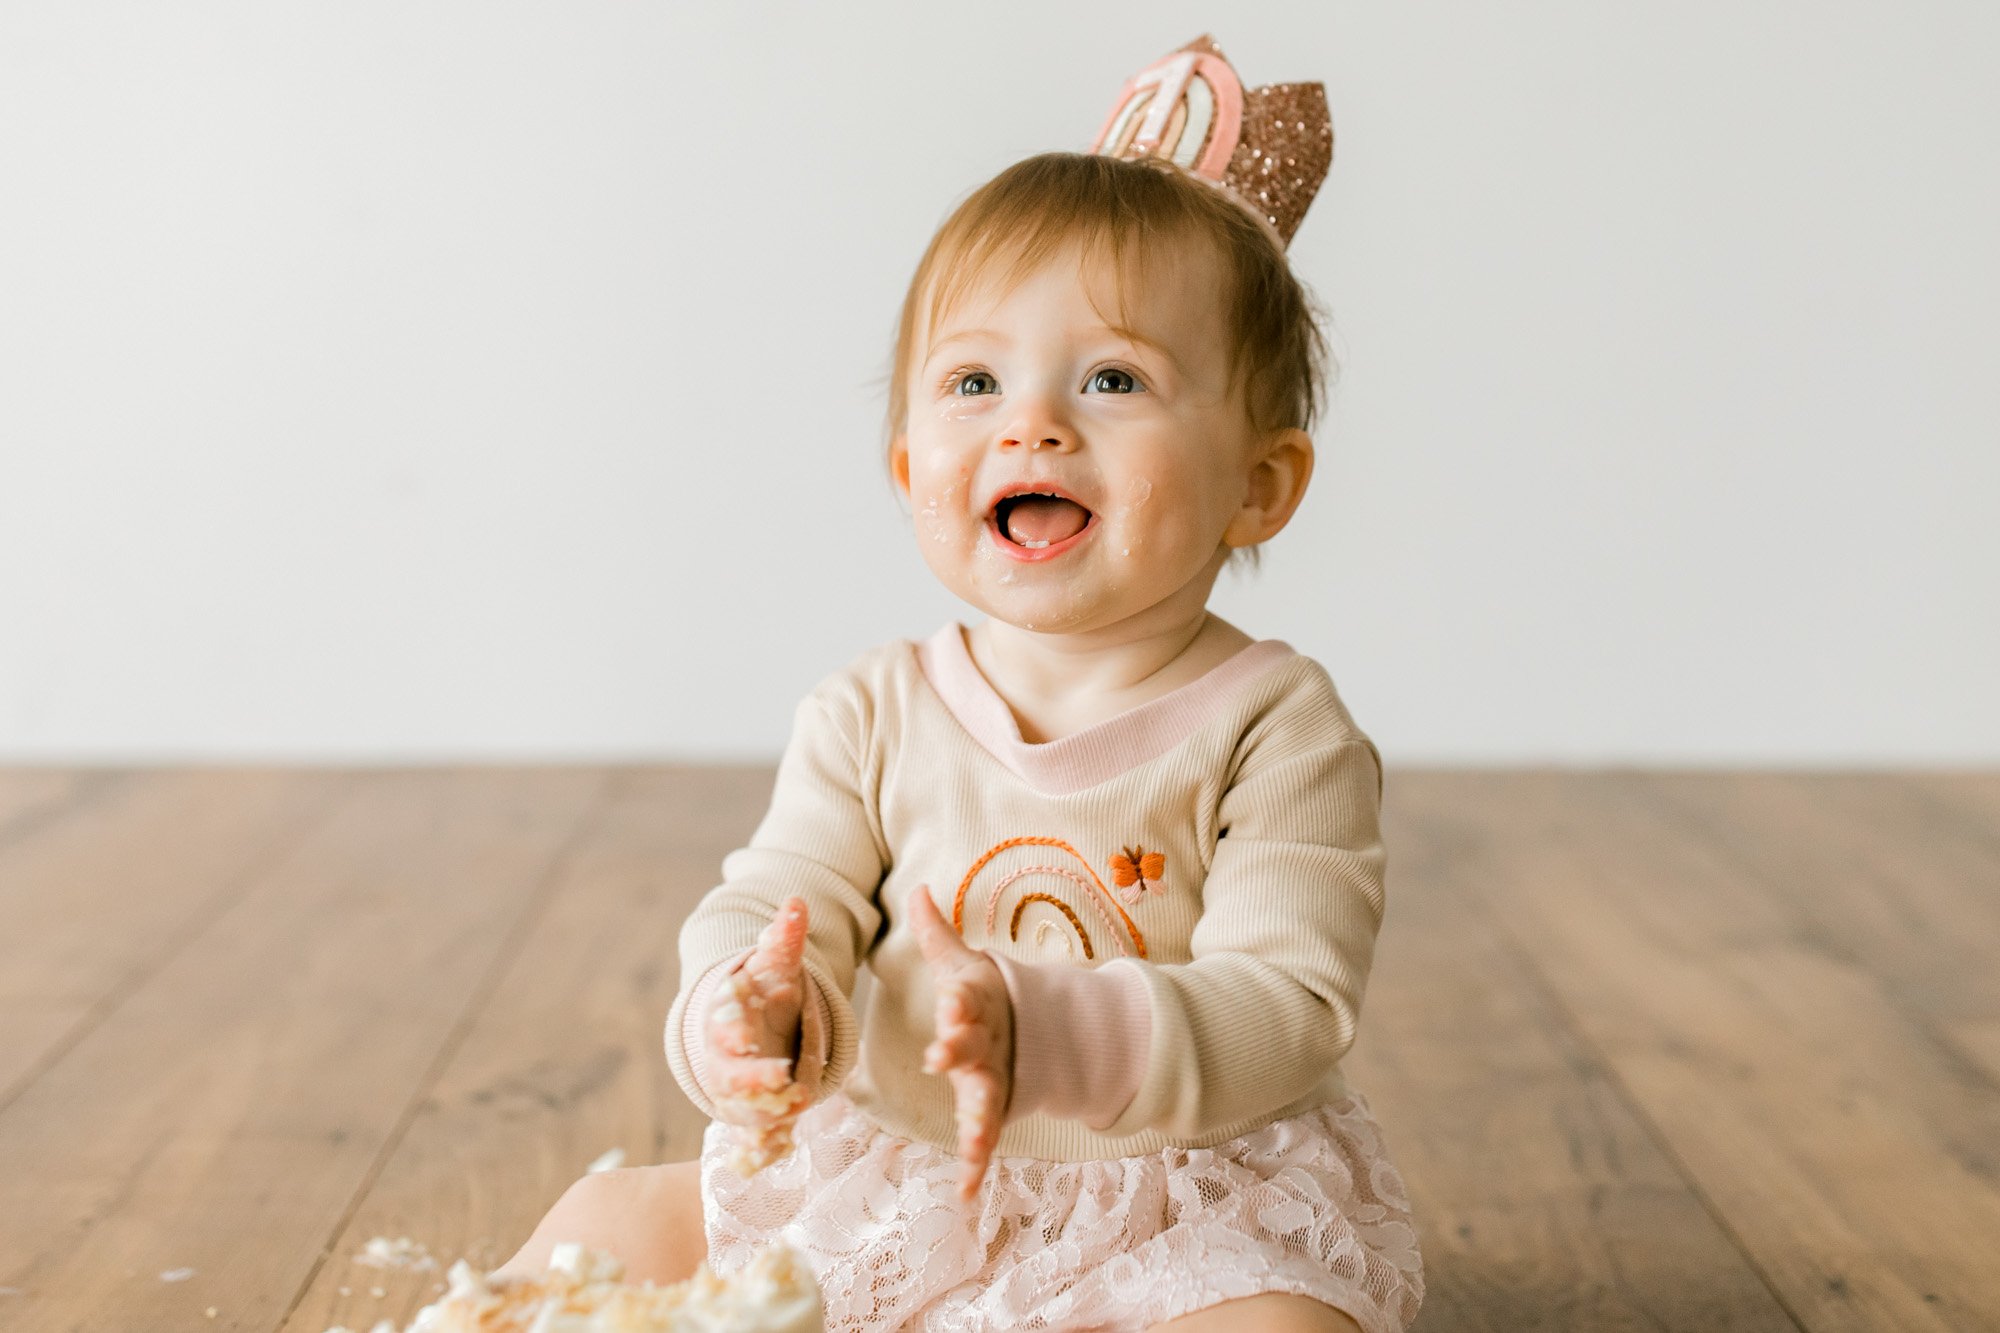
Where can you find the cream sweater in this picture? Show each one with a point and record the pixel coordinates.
(1212, 992)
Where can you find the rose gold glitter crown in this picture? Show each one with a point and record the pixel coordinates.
(1270, 147)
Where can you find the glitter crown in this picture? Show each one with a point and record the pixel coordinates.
(1270, 147)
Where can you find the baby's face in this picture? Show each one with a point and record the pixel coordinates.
(1029, 389)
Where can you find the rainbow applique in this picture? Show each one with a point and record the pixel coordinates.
(1119, 931)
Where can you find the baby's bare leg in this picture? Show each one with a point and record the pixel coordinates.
(649, 1216)
(1270, 1313)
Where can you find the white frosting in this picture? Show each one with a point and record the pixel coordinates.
(581, 1293)
(402, 1252)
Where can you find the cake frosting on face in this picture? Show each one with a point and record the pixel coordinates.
(582, 1293)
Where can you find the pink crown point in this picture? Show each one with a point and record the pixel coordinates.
(1270, 147)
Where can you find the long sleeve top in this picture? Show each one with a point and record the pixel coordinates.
(1184, 898)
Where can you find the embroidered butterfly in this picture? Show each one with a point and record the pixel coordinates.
(1137, 873)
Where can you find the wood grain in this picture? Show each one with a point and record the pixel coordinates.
(114, 879)
(30, 797)
(1879, 870)
(1831, 1133)
(1653, 1050)
(1543, 1201)
(564, 1061)
(225, 1117)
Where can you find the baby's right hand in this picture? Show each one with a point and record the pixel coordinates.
(752, 1027)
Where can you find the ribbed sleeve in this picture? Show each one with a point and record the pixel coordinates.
(1291, 907)
(820, 839)
(1080, 1039)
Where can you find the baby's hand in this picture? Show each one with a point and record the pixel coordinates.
(975, 1036)
(752, 1026)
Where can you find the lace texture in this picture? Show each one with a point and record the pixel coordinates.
(1311, 1205)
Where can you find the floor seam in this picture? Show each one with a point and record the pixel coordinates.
(197, 925)
(1577, 1033)
(612, 783)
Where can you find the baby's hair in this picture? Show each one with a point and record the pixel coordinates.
(1132, 210)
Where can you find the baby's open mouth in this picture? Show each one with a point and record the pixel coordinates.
(1034, 521)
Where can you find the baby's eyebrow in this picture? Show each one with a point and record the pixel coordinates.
(963, 334)
(1139, 339)
(1129, 334)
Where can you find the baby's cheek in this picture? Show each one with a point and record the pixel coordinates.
(1130, 538)
(939, 491)
(937, 513)
(1162, 522)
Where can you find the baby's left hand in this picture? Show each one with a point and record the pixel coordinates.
(975, 1036)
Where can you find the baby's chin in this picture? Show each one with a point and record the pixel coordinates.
(1078, 592)
(1077, 605)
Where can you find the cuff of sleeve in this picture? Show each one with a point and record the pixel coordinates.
(815, 1039)
(1080, 1039)
(815, 1028)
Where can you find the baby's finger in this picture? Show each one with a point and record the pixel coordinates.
(947, 1023)
(939, 942)
(761, 1107)
(751, 1150)
(728, 1025)
(780, 946)
(958, 1046)
(739, 1076)
(978, 1115)
(958, 1006)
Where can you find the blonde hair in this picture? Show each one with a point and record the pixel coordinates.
(1132, 210)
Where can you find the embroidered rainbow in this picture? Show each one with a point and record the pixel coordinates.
(1119, 925)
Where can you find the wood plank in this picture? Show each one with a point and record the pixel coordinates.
(1541, 1198)
(30, 797)
(108, 886)
(1976, 792)
(227, 1117)
(1969, 801)
(565, 1061)
(1904, 882)
(1781, 1074)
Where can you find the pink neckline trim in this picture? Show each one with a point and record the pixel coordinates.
(1085, 758)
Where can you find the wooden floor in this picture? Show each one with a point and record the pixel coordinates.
(1653, 1051)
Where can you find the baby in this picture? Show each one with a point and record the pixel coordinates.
(1114, 865)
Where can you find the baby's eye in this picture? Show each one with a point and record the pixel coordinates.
(961, 378)
(1111, 379)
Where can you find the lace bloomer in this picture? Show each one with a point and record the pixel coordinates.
(1310, 1204)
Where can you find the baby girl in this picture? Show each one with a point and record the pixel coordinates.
(1113, 864)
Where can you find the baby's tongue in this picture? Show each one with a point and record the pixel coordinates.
(1045, 518)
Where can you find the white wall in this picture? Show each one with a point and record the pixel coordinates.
(415, 381)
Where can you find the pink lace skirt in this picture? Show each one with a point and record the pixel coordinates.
(1311, 1204)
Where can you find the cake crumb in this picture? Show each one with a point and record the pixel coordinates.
(402, 1252)
(583, 1292)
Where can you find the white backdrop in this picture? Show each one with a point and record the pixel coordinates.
(413, 381)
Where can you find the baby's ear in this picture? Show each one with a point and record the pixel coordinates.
(899, 464)
(1278, 480)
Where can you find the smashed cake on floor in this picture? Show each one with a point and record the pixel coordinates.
(582, 1293)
